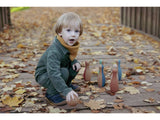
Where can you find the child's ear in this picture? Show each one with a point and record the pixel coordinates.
(60, 34)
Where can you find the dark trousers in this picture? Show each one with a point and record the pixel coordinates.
(67, 74)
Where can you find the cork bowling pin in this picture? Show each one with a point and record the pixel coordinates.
(114, 79)
(101, 76)
(119, 70)
(87, 72)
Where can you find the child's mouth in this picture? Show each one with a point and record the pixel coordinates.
(71, 40)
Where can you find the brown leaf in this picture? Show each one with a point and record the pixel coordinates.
(150, 100)
(136, 82)
(95, 111)
(150, 90)
(142, 77)
(6, 109)
(45, 44)
(118, 106)
(109, 92)
(21, 46)
(118, 101)
(95, 105)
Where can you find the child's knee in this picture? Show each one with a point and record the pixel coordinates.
(65, 74)
(43, 80)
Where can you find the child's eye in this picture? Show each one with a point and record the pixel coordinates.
(68, 30)
(77, 31)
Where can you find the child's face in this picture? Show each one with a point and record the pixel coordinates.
(70, 34)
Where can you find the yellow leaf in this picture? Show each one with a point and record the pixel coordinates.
(136, 61)
(98, 43)
(127, 37)
(20, 91)
(130, 53)
(158, 107)
(89, 21)
(126, 30)
(33, 93)
(20, 46)
(12, 101)
(45, 44)
(139, 67)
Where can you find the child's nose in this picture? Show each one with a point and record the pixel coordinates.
(73, 33)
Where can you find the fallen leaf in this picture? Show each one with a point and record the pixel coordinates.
(150, 90)
(33, 93)
(20, 91)
(158, 107)
(45, 44)
(146, 83)
(56, 110)
(142, 77)
(88, 93)
(95, 105)
(118, 106)
(119, 97)
(28, 103)
(7, 88)
(12, 101)
(136, 82)
(6, 109)
(112, 51)
(130, 53)
(21, 46)
(150, 100)
(118, 101)
(95, 111)
(131, 90)
(98, 43)
(19, 109)
(84, 97)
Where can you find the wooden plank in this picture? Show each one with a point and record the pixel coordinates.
(149, 20)
(154, 21)
(133, 16)
(158, 23)
(144, 16)
(138, 16)
(9, 17)
(128, 16)
(6, 16)
(1, 19)
(124, 15)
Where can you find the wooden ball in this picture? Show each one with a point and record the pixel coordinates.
(73, 102)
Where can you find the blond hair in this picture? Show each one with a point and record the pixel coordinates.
(68, 19)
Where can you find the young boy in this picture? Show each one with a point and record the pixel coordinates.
(58, 67)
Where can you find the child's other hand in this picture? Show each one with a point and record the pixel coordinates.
(76, 67)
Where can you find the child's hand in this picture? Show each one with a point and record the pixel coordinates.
(76, 67)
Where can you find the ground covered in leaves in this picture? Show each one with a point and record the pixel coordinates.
(103, 38)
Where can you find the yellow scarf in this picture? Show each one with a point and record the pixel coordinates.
(72, 49)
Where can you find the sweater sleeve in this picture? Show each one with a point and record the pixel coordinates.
(75, 61)
(53, 69)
